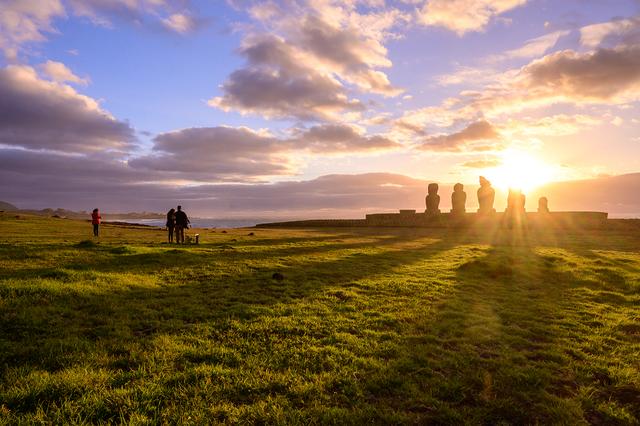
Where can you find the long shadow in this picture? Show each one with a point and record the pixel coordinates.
(177, 301)
(481, 357)
(497, 350)
(124, 259)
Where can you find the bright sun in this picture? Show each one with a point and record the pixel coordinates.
(520, 170)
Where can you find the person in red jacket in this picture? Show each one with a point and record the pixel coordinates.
(95, 221)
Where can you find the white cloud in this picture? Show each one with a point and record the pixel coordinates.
(623, 30)
(23, 21)
(462, 16)
(59, 72)
(532, 48)
(180, 23)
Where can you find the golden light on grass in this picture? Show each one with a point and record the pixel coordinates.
(521, 170)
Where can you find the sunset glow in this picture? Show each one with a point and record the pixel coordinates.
(340, 105)
(521, 170)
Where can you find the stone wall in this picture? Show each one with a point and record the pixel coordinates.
(554, 220)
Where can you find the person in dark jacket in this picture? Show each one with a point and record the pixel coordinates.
(95, 221)
(171, 223)
(182, 223)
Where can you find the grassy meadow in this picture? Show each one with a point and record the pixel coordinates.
(382, 326)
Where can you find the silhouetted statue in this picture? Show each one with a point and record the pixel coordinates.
(543, 205)
(433, 199)
(486, 197)
(458, 199)
(515, 201)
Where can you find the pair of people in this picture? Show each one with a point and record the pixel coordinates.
(177, 222)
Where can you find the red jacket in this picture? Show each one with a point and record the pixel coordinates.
(95, 218)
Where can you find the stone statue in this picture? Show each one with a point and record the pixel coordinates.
(516, 201)
(543, 205)
(433, 199)
(486, 197)
(458, 199)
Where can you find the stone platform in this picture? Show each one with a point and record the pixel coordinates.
(411, 219)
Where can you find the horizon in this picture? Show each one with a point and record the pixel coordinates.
(244, 107)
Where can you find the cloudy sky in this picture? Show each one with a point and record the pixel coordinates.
(296, 106)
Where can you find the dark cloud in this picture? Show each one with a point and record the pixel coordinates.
(241, 154)
(341, 138)
(79, 183)
(302, 65)
(278, 83)
(603, 75)
(40, 114)
(216, 153)
(466, 139)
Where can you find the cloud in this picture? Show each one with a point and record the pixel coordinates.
(278, 83)
(40, 114)
(346, 53)
(462, 16)
(341, 138)
(532, 48)
(306, 59)
(478, 136)
(482, 164)
(216, 154)
(606, 75)
(170, 15)
(241, 154)
(180, 23)
(26, 22)
(60, 73)
(39, 180)
(552, 125)
(625, 31)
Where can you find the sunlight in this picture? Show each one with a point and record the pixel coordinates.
(521, 170)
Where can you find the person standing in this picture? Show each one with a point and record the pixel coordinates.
(182, 223)
(171, 223)
(95, 221)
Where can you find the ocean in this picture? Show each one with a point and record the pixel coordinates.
(203, 222)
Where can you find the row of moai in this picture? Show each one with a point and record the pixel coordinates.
(486, 197)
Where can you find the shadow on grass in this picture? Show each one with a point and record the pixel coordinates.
(493, 349)
(499, 349)
(187, 292)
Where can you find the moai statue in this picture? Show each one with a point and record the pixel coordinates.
(543, 205)
(486, 197)
(515, 201)
(433, 199)
(458, 199)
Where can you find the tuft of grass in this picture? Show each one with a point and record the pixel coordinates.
(382, 326)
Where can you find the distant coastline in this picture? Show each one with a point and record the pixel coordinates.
(197, 222)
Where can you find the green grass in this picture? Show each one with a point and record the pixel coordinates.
(384, 326)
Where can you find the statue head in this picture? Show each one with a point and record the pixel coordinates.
(484, 181)
(458, 187)
(432, 189)
(543, 202)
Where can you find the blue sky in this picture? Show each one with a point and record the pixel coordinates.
(164, 95)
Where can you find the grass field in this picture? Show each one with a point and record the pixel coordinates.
(383, 326)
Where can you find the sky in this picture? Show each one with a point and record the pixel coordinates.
(303, 107)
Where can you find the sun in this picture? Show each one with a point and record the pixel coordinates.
(520, 170)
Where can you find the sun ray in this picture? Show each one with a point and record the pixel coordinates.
(521, 170)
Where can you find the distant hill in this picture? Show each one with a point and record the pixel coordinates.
(69, 214)
(7, 206)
